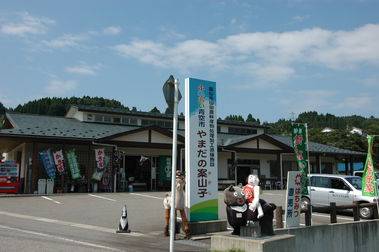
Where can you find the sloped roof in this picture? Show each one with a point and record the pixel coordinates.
(317, 147)
(40, 126)
(27, 125)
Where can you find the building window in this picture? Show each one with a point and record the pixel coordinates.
(89, 117)
(241, 131)
(116, 119)
(162, 124)
(129, 121)
(98, 118)
(107, 119)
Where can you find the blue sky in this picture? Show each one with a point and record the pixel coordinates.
(273, 59)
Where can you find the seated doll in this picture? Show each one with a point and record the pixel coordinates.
(252, 191)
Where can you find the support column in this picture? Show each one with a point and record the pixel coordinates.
(280, 168)
(351, 165)
(33, 182)
(346, 165)
(318, 164)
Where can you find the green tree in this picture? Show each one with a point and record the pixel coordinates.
(155, 110)
(281, 127)
(2, 109)
(58, 106)
(238, 118)
(250, 118)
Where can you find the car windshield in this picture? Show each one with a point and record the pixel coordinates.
(356, 182)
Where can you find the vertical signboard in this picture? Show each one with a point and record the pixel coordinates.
(201, 149)
(293, 199)
(300, 146)
(369, 187)
(165, 168)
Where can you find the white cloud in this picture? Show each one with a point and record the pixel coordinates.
(268, 56)
(84, 69)
(312, 100)
(170, 34)
(298, 19)
(67, 40)
(356, 102)
(112, 30)
(59, 87)
(370, 82)
(27, 25)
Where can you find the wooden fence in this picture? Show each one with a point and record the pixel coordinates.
(333, 212)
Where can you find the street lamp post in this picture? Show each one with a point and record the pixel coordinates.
(172, 95)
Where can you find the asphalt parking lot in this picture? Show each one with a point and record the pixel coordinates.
(88, 222)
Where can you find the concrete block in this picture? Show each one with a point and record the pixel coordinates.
(203, 227)
(282, 243)
(252, 229)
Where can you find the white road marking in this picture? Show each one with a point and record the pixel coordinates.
(57, 202)
(148, 196)
(67, 223)
(100, 197)
(60, 238)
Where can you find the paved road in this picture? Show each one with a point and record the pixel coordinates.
(87, 222)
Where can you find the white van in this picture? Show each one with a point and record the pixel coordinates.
(341, 189)
(360, 174)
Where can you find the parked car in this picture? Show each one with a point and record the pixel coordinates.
(360, 174)
(341, 189)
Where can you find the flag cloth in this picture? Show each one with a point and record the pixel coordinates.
(100, 159)
(300, 146)
(369, 186)
(48, 162)
(59, 161)
(73, 164)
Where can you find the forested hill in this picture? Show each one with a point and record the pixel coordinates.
(58, 106)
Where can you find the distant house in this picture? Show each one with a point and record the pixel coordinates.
(327, 130)
(355, 130)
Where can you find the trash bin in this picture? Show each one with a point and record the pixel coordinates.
(42, 186)
(49, 186)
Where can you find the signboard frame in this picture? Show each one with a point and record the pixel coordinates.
(201, 150)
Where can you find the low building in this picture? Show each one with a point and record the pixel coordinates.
(145, 143)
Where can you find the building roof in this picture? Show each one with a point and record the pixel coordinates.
(121, 111)
(317, 147)
(27, 125)
(53, 127)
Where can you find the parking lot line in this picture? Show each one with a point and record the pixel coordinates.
(93, 245)
(57, 202)
(101, 197)
(148, 196)
(67, 223)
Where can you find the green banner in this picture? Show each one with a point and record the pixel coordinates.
(165, 167)
(300, 146)
(73, 164)
(369, 185)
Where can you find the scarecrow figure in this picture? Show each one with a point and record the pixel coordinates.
(252, 192)
(179, 205)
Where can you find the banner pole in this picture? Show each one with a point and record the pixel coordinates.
(309, 172)
(173, 169)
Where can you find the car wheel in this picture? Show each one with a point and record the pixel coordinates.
(366, 212)
(305, 203)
